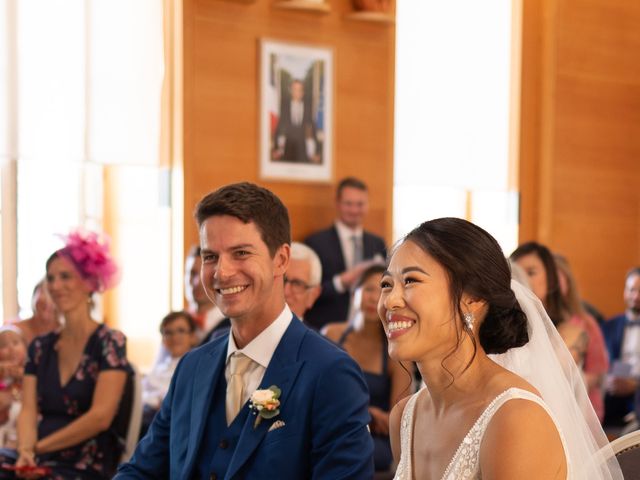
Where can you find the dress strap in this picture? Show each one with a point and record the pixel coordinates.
(345, 334)
(405, 465)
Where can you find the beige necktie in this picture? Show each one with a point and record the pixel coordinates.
(238, 365)
(357, 250)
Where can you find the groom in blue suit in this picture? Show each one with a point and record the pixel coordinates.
(206, 428)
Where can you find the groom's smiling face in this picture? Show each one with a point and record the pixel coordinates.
(238, 273)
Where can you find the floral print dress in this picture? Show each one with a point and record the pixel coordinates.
(59, 405)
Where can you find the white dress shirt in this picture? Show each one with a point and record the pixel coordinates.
(156, 384)
(345, 234)
(260, 350)
(630, 351)
(297, 112)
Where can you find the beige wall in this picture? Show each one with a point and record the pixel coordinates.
(221, 98)
(580, 138)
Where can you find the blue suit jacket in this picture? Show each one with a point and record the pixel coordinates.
(613, 332)
(324, 404)
(333, 306)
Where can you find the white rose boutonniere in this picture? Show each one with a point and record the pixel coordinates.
(265, 403)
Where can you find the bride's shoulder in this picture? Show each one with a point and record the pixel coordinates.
(522, 440)
(503, 380)
(396, 412)
(395, 419)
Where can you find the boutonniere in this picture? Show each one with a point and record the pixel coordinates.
(265, 403)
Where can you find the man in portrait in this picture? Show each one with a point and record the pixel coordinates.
(295, 136)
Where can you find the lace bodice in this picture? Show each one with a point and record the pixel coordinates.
(465, 464)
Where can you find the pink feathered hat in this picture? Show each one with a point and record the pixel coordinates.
(89, 253)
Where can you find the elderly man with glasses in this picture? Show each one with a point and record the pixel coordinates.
(302, 280)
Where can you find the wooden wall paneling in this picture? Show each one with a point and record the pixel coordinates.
(530, 122)
(221, 105)
(586, 202)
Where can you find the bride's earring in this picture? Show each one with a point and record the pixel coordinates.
(468, 320)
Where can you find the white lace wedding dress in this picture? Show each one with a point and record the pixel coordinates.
(465, 464)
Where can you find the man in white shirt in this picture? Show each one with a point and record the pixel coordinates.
(271, 399)
(345, 250)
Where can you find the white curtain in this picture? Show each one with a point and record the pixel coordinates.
(452, 120)
(80, 92)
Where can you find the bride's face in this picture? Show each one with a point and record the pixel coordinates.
(415, 306)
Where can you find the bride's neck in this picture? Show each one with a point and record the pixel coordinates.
(454, 378)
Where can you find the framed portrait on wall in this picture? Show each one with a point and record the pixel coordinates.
(296, 122)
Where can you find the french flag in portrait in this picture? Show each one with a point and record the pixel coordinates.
(273, 95)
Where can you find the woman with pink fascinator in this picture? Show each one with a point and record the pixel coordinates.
(74, 377)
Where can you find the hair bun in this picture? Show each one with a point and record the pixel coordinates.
(504, 328)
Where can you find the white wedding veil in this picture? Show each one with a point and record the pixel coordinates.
(546, 363)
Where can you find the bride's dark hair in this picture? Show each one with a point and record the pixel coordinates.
(475, 265)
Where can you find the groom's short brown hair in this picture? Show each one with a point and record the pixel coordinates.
(249, 203)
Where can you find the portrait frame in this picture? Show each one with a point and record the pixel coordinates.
(296, 111)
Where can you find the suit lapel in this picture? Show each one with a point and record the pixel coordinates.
(208, 371)
(367, 245)
(281, 372)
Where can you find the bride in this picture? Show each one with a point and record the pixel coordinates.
(501, 388)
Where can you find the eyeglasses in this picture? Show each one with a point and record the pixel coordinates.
(297, 286)
(177, 331)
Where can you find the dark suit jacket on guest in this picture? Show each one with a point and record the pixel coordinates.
(616, 407)
(613, 332)
(323, 417)
(333, 306)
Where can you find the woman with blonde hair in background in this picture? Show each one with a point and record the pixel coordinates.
(44, 318)
(596, 360)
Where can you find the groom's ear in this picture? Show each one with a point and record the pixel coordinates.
(281, 260)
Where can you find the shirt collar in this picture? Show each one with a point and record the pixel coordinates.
(345, 231)
(261, 348)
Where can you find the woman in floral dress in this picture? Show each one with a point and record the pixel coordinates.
(75, 377)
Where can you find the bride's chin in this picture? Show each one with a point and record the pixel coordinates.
(396, 354)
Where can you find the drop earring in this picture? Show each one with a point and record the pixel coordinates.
(468, 320)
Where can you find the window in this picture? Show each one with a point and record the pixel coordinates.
(453, 110)
(87, 80)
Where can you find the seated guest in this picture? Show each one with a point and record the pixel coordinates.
(622, 336)
(74, 378)
(596, 360)
(178, 337)
(540, 267)
(13, 354)
(302, 280)
(44, 318)
(345, 250)
(363, 338)
(207, 316)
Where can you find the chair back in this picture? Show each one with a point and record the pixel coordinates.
(129, 417)
(627, 451)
